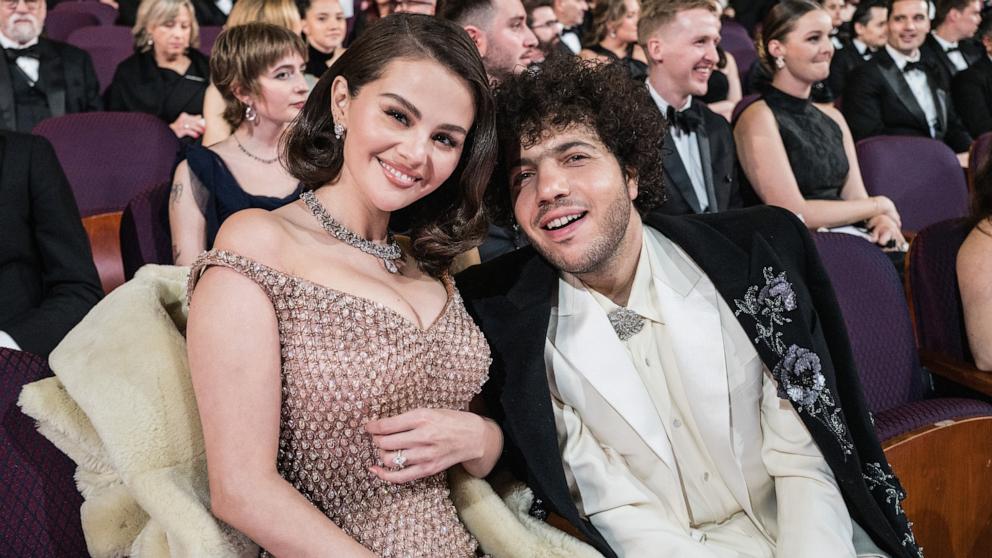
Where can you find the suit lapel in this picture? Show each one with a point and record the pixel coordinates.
(939, 102)
(8, 116)
(51, 77)
(586, 343)
(706, 160)
(677, 175)
(893, 76)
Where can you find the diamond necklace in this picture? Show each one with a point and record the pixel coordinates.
(252, 155)
(389, 252)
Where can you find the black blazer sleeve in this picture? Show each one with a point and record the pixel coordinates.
(973, 99)
(70, 283)
(957, 136)
(862, 107)
(93, 101)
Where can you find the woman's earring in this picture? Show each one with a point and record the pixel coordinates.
(613, 34)
(338, 130)
(250, 114)
(779, 62)
(151, 42)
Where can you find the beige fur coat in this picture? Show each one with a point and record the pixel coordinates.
(122, 407)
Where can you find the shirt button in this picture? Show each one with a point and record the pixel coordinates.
(706, 476)
(647, 362)
(676, 423)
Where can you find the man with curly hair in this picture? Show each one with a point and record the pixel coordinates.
(665, 384)
(680, 39)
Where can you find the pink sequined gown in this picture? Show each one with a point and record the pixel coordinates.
(347, 360)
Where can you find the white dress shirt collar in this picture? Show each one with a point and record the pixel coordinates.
(901, 59)
(860, 46)
(944, 43)
(662, 103)
(6, 42)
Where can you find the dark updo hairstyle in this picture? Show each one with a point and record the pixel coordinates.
(568, 91)
(451, 219)
(780, 21)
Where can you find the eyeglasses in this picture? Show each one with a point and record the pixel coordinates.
(12, 4)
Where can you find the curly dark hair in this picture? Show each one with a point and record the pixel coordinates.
(450, 220)
(566, 91)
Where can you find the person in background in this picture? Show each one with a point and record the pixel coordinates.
(324, 27)
(836, 9)
(799, 155)
(258, 70)
(971, 89)
(571, 15)
(166, 76)
(950, 46)
(614, 36)
(974, 267)
(333, 368)
(543, 22)
(47, 278)
(40, 78)
(283, 13)
(870, 34)
(425, 7)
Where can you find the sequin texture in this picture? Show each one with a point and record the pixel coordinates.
(346, 361)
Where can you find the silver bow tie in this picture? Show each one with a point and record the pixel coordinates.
(626, 322)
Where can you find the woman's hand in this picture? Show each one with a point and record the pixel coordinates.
(191, 125)
(883, 230)
(431, 440)
(886, 207)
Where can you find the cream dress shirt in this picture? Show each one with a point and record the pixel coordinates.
(689, 511)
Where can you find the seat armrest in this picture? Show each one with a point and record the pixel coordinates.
(957, 371)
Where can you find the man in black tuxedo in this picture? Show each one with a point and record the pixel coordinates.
(40, 78)
(972, 88)
(897, 92)
(950, 45)
(869, 25)
(572, 16)
(47, 278)
(700, 159)
(670, 386)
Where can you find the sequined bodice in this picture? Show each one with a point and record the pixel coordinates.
(347, 360)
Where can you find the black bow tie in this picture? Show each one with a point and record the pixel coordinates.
(15, 53)
(910, 66)
(949, 50)
(576, 29)
(687, 121)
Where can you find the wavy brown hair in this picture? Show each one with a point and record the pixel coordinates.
(451, 219)
(567, 91)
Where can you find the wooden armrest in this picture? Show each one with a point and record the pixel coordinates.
(957, 371)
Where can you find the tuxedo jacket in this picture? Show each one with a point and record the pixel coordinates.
(65, 74)
(47, 278)
(842, 64)
(971, 91)
(946, 70)
(741, 252)
(719, 161)
(879, 102)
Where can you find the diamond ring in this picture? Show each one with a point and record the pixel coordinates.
(399, 459)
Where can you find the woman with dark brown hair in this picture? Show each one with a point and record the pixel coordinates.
(333, 367)
(614, 36)
(974, 271)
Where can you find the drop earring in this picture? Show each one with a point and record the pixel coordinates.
(338, 130)
(779, 62)
(251, 115)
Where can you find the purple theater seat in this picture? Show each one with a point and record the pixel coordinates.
(108, 45)
(922, 176)
(60, 24)
(933, 287)
(145, 234)
(875, 312)
(735, 40)
(978, 156)
(745, 102)
(208, 35)
(109, 157)
(39, 502)
(106, 15)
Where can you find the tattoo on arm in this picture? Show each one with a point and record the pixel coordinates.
(200, 193)
(176, 193)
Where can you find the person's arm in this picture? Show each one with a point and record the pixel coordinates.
(725, 108)
(763, 158)
(813, 520)
(973, 105)
(957, 136)
(217, 129)
(862, 105)
(884, 227)
(69, 279)
(187, 223)
(974, 269)
(234, 356)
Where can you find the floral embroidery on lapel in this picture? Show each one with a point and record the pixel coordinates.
(798, 372)
(877, 478)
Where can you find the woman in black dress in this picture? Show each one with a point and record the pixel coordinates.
(258, 69)
(166, 76)
(798, 154)
(614, 36)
